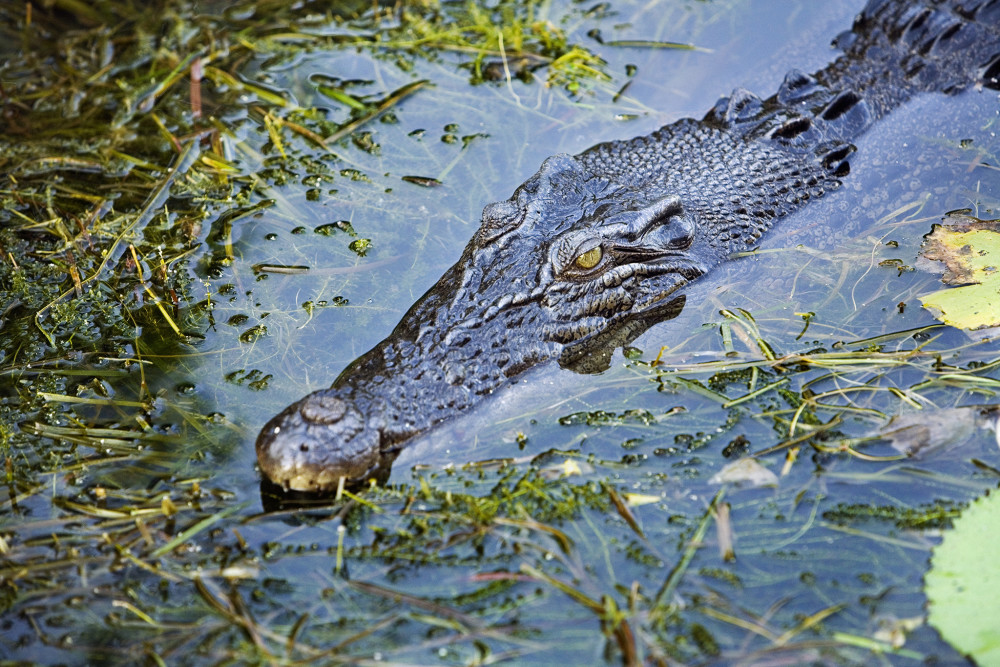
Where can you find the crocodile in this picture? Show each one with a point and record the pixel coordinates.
(595, 248)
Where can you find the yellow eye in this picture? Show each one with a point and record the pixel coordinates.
(590, 259)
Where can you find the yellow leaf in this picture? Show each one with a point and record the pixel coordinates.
(969, 250)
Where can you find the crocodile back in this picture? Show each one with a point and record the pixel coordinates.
(898, 49)
(751, 161)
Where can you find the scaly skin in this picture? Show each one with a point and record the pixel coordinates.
(594, 248)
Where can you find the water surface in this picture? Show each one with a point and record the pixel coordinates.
(532, 529)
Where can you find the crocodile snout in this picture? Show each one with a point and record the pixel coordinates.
(294, 449)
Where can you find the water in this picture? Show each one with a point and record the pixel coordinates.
(475, 542)
(791, 545)
(417, 233)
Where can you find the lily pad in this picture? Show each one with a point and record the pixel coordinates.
(963, 584)
(969, 250)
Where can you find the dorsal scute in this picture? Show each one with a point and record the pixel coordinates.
(742, 106)
(990, 73)
(798, 87)
(925, 45)
(979, 10)
(989, 12)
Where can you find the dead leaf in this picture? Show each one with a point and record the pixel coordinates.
(966, 251)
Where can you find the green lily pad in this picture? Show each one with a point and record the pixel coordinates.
(969, 250)
(963, 584)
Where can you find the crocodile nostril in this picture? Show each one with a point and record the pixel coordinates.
(320, 408)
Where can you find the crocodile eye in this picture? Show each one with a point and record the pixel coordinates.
(589, 259)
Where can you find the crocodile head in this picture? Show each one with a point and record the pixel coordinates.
(572, 265)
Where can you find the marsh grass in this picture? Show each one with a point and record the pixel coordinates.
(170, 176)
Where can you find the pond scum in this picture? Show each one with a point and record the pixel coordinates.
(121, 541)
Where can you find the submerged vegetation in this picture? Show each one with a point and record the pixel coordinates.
(189, 191)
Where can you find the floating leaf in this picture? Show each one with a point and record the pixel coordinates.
(969, 250)
(963, 584)
(917, 432)
(640, 499)
(423, 181)
(567, 468)
(893, 631)
(745, 471)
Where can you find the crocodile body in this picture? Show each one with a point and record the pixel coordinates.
(595, 248)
